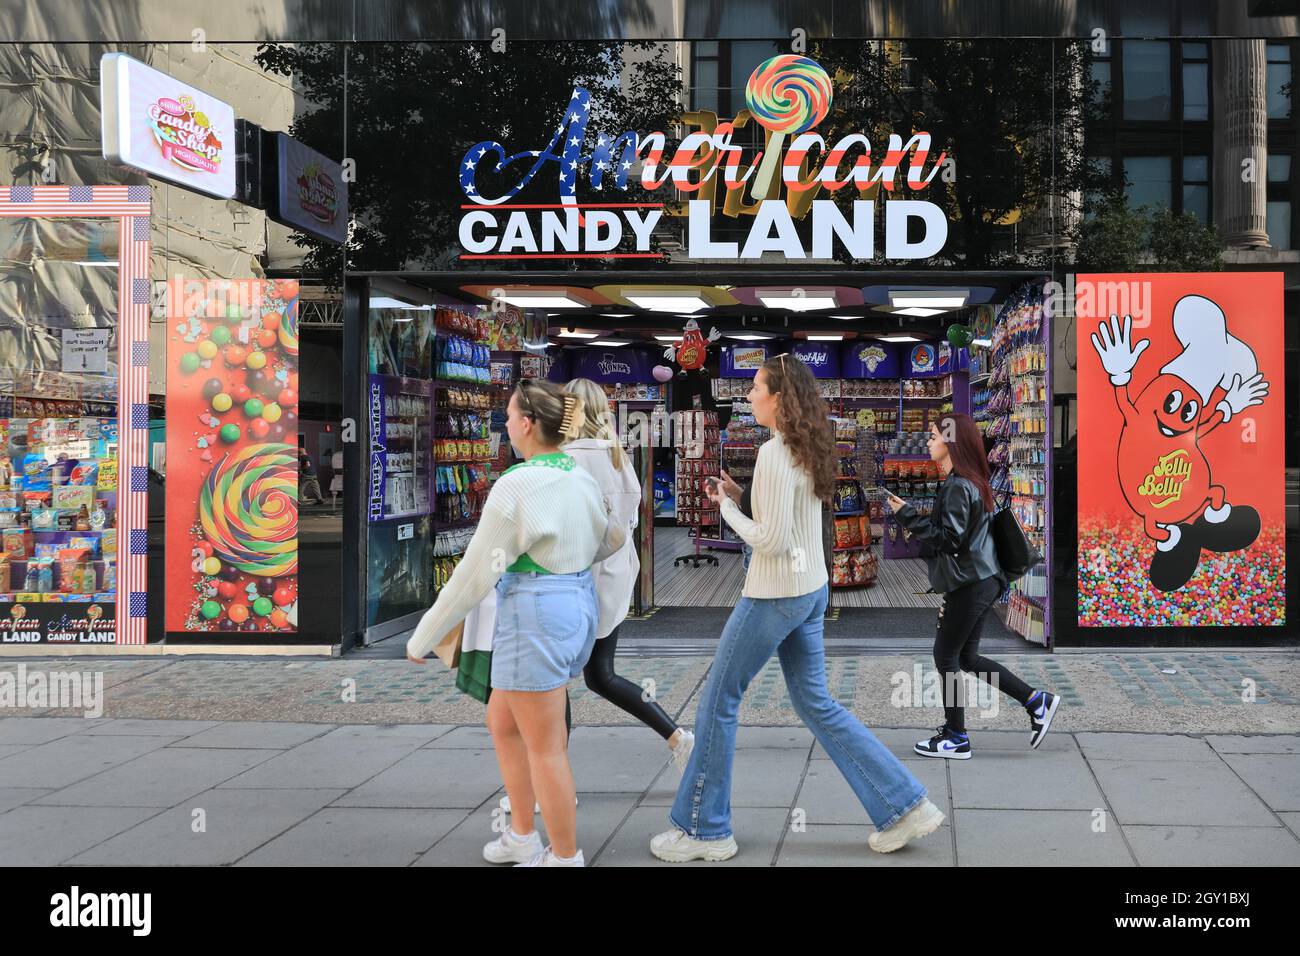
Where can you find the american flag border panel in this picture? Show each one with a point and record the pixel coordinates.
(128, 204)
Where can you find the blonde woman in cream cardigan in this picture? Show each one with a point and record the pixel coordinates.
(542, 527)
(598, 451)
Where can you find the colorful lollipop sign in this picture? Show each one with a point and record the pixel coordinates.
(787, 95)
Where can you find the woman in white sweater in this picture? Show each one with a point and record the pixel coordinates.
(598, 451)
(542, 526)
(781, 611)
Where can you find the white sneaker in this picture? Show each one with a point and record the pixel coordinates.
(682, 752)
(917, 822)
(537, 807)
(547, 857)
(676, 846)
(512, 848)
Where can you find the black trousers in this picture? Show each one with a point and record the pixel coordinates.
(957, 648)
(619, 691)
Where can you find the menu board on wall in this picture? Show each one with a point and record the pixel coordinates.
(1181, 438)
(232, 456)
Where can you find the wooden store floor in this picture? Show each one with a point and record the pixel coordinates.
(898, 582)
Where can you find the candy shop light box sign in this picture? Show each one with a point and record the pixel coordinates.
(787, 95)
(166, 128)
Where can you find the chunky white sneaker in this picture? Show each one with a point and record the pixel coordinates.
(511, 848)
(537, 807)
(548, 858)
(917, 822)
(682, 752)
(676, 846)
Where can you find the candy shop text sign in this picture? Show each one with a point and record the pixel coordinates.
(787, 95)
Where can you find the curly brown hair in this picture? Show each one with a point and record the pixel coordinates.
(803, 420)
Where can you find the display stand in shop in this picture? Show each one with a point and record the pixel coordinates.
(853, 563)
(741, 441)
(699, 456)
(1011, 409)
(465, 398)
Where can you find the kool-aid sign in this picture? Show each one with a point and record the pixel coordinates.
(822, 358)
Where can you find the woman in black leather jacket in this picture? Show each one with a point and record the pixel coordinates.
(957, 544)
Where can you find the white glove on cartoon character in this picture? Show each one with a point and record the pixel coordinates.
(1118, 357)
(1242, 395)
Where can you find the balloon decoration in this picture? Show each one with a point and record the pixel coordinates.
(661, 373)
(960, 336)
(694, 348)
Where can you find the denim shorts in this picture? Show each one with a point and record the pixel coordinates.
(545, 630)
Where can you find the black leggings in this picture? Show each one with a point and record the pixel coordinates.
(619, 691)
(957, 648)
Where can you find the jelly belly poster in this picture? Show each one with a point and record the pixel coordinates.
(232, 459)
(1181, 444)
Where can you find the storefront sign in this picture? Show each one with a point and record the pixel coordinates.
(611, 366)
(822, 358)
(85, 350)
(232, 458)
(1181, 441)
(313, 196)
(876, 360)
(788, 95)
(924, 360)
(166, 128)
(378, 448)
(748, 358)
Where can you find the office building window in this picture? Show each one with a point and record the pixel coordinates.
(1279, 75)
(1279, 168)
(1148, 181)
(1278, 224)
(1196, 187)
(704, 75)
(1196, 81)
(1146, 63)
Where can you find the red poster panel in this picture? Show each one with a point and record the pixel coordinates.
(1181, 450)
(232, 458)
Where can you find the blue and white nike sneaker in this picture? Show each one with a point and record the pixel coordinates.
(1042, 708)
(945, 743)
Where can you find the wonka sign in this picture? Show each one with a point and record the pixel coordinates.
(787, 95)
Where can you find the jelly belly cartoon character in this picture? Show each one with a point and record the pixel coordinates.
(694, 349)
(1166, 478)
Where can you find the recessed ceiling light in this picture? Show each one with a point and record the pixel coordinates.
(846, 318)
(788, 299)
(542, 299)
(617, 315)
(669, 338)
(945, 299)
(577, 335)
(610, 342)
(384, 302)
(666, 300)
(749, 336)
(898, 338)
(825, 338)
(919, 311)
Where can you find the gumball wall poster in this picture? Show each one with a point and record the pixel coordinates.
(1182, 422)
(232, 459)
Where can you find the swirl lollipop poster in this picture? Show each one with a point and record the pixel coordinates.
(232, 461)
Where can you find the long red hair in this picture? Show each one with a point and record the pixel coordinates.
(966, 450)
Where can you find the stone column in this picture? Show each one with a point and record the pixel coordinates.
(1240, 133)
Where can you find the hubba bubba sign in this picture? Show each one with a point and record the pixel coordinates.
(787, 95)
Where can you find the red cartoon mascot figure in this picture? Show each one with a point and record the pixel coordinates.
(1166, 478)
(694, 349)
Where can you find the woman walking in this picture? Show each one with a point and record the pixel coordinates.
(956, 542)
(598, 452)
(781, 611)
(543, 523)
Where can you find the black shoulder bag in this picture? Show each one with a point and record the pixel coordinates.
(1015, 554)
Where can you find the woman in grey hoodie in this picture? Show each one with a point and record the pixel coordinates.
(598, 451)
